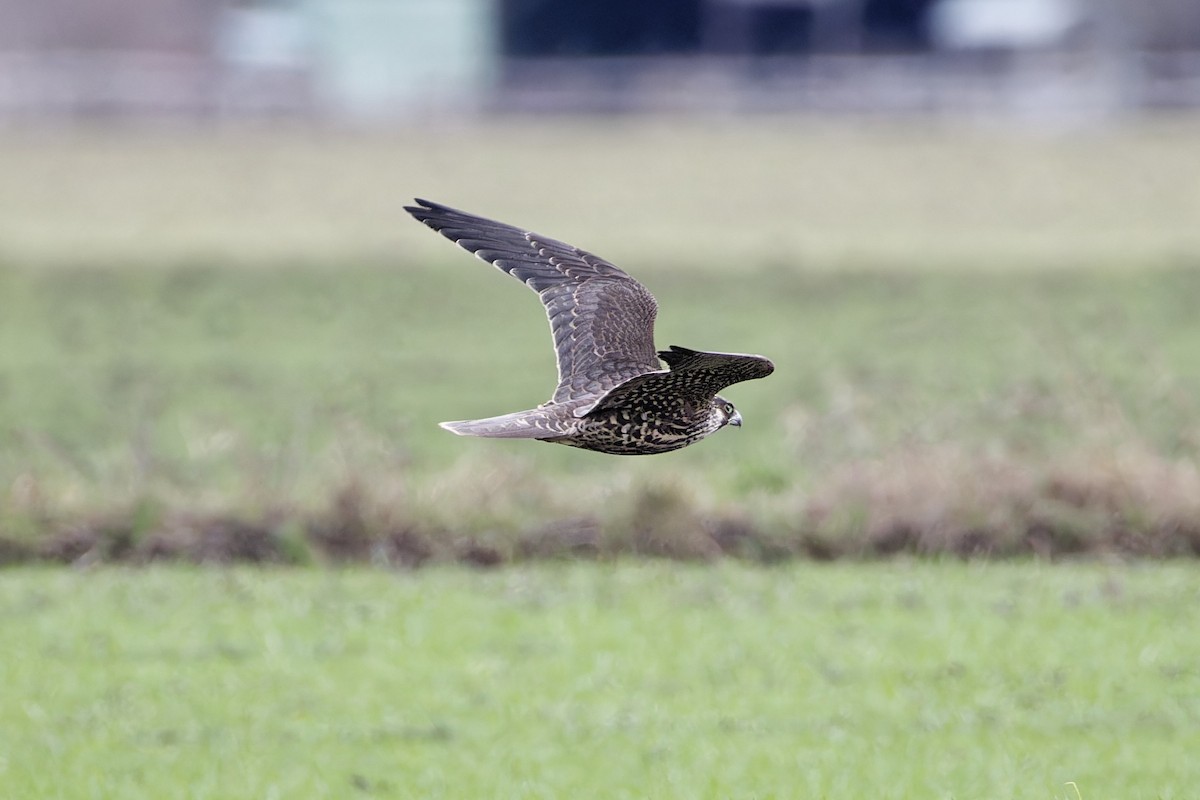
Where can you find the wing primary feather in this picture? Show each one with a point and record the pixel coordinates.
(601, 319)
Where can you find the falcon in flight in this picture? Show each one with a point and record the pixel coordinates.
(613, 395)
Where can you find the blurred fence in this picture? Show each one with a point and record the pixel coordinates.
(1042, 83)
(68, 86)
(88, 85)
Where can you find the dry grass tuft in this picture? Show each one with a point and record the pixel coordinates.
(919, 502)
(1141, 502)
(943, 501)
(933, 501)
(664, 519)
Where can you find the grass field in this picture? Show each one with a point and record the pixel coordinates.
(235, 347)
(980, 336)
(221, 390)
(885, 681)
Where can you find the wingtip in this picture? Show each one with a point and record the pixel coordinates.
(429, 212)
(422, 206)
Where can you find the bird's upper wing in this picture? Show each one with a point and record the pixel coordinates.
(602, 320)
(694, 378)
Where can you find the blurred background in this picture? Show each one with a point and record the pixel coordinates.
(965, 230)
(371, 60)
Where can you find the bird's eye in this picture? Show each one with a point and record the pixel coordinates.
(729, 408)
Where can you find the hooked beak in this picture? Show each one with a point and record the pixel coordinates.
(736, 419)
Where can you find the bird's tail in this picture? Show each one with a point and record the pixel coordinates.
(532, 424)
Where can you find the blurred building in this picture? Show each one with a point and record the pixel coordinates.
(215, 58)
(384, 59)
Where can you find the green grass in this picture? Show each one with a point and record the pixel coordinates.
(198, 363)
(978, 334)
(908, 680)
(224, 389)
(247, 323)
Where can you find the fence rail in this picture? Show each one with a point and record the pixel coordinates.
(83, 85)
(1048, 83)
(89, 85)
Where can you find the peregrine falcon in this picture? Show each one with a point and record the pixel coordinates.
(613, 395)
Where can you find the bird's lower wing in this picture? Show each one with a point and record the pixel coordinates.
(694, 378)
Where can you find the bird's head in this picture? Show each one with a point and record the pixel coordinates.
(726, 413)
